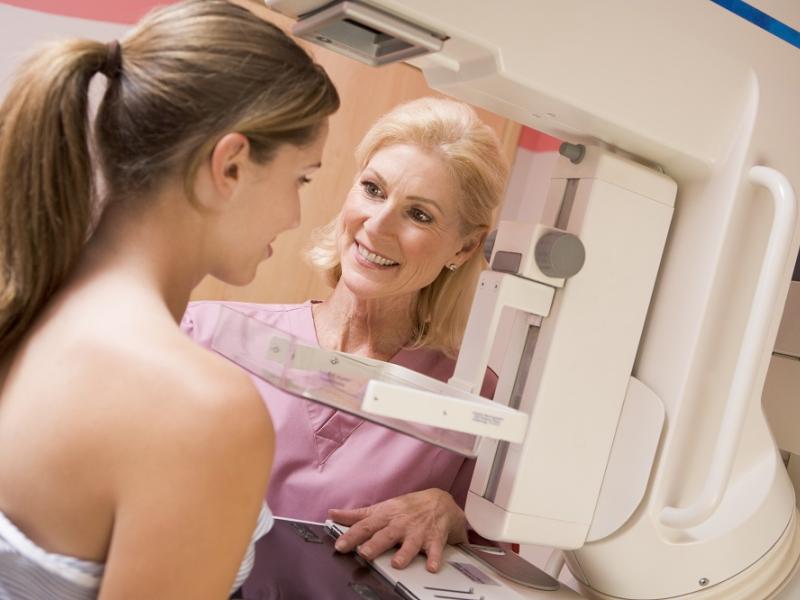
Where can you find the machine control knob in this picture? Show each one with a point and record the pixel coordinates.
(559, 254)
(574, 152)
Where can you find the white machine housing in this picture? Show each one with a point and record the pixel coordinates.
(577, 362)
(711, 99)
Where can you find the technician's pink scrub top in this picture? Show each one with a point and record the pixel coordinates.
(325, 458)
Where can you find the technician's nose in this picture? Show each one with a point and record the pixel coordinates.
(382, 221)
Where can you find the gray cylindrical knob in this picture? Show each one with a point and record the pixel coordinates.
(559, 254)
(574, 152)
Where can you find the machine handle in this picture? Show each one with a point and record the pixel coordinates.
(761, 313)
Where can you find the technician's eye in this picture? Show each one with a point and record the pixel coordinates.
(372, 189)
(420, 216)
(303, 180)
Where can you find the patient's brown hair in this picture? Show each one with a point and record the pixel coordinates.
(185, 76)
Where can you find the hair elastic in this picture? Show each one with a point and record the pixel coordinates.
(112, 64)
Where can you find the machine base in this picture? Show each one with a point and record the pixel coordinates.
(776, 576)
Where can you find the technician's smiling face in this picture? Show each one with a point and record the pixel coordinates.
(401, 224)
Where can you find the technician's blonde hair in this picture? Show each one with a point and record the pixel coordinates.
(185, 76)
(471, 152)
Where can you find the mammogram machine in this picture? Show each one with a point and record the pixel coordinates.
(629, 426)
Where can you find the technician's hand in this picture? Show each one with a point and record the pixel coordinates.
(421, 521)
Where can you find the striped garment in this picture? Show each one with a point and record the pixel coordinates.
(27, 572)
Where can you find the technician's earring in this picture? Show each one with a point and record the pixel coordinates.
(452, 267)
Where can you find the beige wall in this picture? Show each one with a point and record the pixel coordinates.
(366, 94)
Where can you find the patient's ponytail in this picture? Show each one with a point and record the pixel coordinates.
(183, 77)
(45, 179)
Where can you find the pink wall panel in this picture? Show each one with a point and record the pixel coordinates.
(112, 11)
(536, 141)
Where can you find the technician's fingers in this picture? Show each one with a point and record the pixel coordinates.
(384, 539)
(434, 550)
(348, 516)
(358, 534)
(408, 550)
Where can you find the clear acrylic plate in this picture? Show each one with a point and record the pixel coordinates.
(336, 379)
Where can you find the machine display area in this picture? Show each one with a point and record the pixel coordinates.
(298, 560)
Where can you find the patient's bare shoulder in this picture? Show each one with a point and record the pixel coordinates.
(168, 398)
(191, 470)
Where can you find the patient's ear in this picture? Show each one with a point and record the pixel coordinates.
(219, 177)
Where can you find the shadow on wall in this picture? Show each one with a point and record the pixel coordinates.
(24, 29)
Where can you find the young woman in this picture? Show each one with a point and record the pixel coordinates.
(133, 463)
